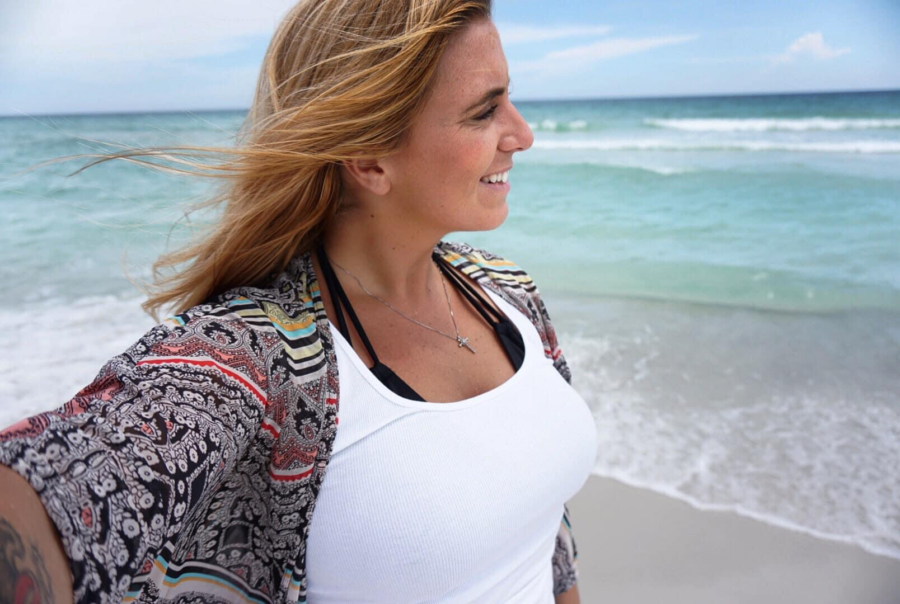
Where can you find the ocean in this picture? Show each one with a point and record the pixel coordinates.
(723, 273)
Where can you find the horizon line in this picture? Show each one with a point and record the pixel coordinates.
(532, 100)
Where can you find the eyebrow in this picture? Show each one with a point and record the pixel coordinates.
(490, 94)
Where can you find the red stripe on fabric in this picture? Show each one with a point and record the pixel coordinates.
(208, 363)
(270, 429)
(554, 354)
(291, 476)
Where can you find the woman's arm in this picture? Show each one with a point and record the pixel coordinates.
(569, 597)
(565, 557)
(128, 463)
(33, 565)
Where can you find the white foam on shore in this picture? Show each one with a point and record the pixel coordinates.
(772, 124)
(647, 144)
(725, 429)
(50, 350)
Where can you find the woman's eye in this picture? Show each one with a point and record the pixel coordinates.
(488, 113)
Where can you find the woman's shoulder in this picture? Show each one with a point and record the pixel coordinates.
(286, 312)
(228, 321)
(485, 266)
(287, 299)
(514, 284)
(499, 274)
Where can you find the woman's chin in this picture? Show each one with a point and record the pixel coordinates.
(491, 217)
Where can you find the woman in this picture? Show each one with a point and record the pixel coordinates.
(188, 471)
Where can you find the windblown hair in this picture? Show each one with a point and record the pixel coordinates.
(341, 79)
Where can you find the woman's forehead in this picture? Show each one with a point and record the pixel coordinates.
(472, 65)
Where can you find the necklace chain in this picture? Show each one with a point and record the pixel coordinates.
(461, 341)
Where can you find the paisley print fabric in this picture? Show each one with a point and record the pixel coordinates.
(188, 470)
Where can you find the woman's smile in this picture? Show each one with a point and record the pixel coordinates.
(501, 184)
(496, 187)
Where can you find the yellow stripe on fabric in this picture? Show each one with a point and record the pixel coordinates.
(507, 277)
(298, 354)
(218, 583)
(477, 261)
(278, 316)
(497, 263)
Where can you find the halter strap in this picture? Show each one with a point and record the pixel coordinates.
(469, 292)
(334, 285)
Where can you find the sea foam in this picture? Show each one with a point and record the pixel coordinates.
(642, 144)
(771, 123)
(62, 352)
(691, 402)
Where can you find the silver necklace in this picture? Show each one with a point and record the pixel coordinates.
(459, 339)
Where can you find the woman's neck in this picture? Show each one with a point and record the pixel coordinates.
(392, 260)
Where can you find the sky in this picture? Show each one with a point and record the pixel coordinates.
(108, 56)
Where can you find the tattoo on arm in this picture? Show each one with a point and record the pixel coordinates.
(23, 577)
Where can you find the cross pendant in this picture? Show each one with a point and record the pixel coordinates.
(464, 342)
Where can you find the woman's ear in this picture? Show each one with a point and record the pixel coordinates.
(367, 174)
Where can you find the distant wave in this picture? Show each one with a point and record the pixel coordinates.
(772, 123)
(661, 170)
(556, 126)
(871, 146)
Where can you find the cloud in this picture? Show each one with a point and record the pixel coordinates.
(520, 34)
(53, 34)
(812, 44)
(117, 55)
(579, 57)
(722, 60)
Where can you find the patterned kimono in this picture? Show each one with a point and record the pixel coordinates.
(188, 470)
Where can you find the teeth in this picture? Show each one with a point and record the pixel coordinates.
(499, 177)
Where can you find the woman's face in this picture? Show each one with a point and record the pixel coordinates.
(462, 135)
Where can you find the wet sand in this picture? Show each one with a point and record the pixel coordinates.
(636, 546)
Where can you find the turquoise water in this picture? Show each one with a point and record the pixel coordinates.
(724, 274)
(778, 202)
(773, 202)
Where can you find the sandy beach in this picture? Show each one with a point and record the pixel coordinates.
(636, 546)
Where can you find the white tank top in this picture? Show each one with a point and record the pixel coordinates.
(448, 502)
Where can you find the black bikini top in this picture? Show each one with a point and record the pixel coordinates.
(506, 331)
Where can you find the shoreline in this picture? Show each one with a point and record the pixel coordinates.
(772, 521)
(638, 546)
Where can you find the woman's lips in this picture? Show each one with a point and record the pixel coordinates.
(498, 187)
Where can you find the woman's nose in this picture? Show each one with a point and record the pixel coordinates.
(520, 137)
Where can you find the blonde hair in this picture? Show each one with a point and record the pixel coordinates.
(341, 79)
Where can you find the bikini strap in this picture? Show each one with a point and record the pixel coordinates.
(334, 286)
(509, 335)
(469, 292)
(328, 276)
